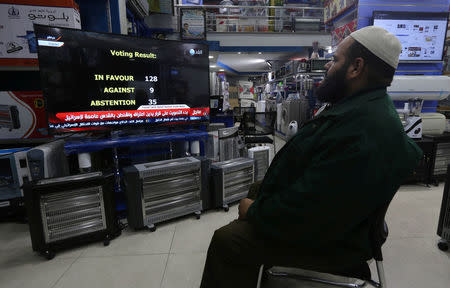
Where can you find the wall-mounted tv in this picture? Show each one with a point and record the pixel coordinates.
(422, 34)
(96, 80)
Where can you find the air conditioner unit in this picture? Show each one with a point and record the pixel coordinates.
(404, 88)
(162, 190)
(231, 180)
(9, 117)
(48, 161)
(67, 211)
(444, 216)
(140, 8)
(262, 156)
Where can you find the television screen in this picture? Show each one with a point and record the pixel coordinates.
(93, 80)
(422, 34)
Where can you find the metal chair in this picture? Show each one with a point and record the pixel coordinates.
(378, 234)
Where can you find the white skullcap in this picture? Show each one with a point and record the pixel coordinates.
(380, 42)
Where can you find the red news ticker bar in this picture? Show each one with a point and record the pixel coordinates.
(130, 114)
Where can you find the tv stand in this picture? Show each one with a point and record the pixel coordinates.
(117, 140)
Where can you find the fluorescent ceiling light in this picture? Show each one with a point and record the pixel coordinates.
(211, 56)
(221, 70)
(239, 52)
(259, 53)
(212, 66)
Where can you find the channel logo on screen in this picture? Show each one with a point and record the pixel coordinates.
(51, 41)
(195, 52)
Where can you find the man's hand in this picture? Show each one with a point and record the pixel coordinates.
(243, 207)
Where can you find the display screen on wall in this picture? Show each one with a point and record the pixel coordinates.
(106, 80)
(422, 34)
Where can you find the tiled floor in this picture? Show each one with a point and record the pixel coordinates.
(173, 256)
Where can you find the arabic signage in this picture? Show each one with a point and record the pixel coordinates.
(192, 24)
(18, 43)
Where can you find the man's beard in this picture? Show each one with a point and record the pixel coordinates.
(333, 88)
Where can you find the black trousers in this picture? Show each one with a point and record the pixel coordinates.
(237, 251)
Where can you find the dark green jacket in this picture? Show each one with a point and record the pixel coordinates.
(332, 175)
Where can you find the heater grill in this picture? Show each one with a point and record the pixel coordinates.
(442, 158)
(164, 193)
(231, 180)
(67, 214)
(237, 182)
(261, 154)
(162, 190)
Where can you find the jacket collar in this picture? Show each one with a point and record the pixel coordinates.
(354, 101)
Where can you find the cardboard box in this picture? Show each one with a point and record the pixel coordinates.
(22, 115)
(17, 40)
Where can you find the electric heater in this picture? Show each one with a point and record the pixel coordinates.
(231, 180)
(9, 117)
(442, 158)
(228, 143)
(67, 211)
(206, 195)
(262, 156)
(162, 190)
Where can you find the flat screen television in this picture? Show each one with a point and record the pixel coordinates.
(97, 80)
(422, 34)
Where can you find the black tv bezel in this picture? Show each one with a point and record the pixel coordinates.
(443, 14)
(59, 131)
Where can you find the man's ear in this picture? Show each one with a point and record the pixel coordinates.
(356, 69)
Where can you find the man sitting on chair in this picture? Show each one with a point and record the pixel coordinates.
(312, 208)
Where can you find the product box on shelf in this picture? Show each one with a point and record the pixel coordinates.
(22, 115)
(333, 8)
(17, 40)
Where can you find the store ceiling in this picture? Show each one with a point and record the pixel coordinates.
(241, 63)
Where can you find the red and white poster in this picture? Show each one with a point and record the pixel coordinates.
(339, 34)
(22, 115)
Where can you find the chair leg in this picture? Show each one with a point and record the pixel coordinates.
(318, 280)
(260, 274)
(381, 276)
